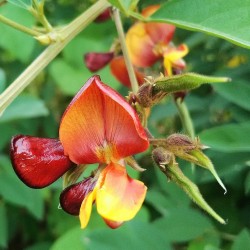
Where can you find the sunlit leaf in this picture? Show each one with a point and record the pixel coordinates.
(226, 19)
(24, 107)
(19, 45)
(20, 3)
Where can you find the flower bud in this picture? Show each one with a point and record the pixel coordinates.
(180, 142)
(161, 156)
(144, 95)
(71, 198)
(104, 16)
(96, 61)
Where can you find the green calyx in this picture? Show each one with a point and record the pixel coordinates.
(184, 82)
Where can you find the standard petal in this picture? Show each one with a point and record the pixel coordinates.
(86, 209)
(72, 197)
(100, 126)
(118, 197)
(160, 33)
(141, 46)
(119, 70)
(38, 161)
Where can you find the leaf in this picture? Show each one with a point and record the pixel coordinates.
(72, 239)
(183, 224)
(124, 5)
(24, 107)
(242, 240)
(18, 44)
(132, 235)
(227, 138)
(67, 78)
(236, 92)
(20, 3)
(15, 192)
(3, 226)
(225, 19)
(247, 184)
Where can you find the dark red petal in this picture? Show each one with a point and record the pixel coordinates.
(38, 162)
(71, 198)
(96, 61)
(104, 16)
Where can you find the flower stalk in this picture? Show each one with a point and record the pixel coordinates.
(120, 31)
(19, 27)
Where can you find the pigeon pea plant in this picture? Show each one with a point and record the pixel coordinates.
(100, 126)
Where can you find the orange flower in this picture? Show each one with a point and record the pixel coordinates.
(149, 42)
(98, 126)
(120, 72)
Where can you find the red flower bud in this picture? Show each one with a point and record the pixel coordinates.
(104, 16)
(71, 198)
(96, 61)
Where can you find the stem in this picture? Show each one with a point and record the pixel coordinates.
(185, 117)
(38, 13)
(120, 31)
(68, 33)
(19, 27)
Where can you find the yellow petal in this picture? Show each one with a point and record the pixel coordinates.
(119, 197)
(86, 208)
(173, 58)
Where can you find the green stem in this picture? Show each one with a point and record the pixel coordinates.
(185, 117)
(120, 31)
(67, 34)
(38, 13)
(19, 27)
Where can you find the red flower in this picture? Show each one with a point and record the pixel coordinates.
(95, 61)
(98, 126)
(120, 72)
(149, 42)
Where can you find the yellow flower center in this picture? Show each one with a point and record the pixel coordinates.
(107, 153)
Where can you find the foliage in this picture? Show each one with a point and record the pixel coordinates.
(30, 219)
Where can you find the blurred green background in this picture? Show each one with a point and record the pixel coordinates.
(30, 219)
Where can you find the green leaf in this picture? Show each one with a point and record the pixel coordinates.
(247, 184)
(3, 226)
(124, 5)
(236, 92)
(225, 19)
(18, 44)
(2, 80)
(227, 138)
(24, 107)
(15, 192)
(242, 240)
(73, 239)
(20, 3)
(67, 77)
(183, 224)
(132, 235)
